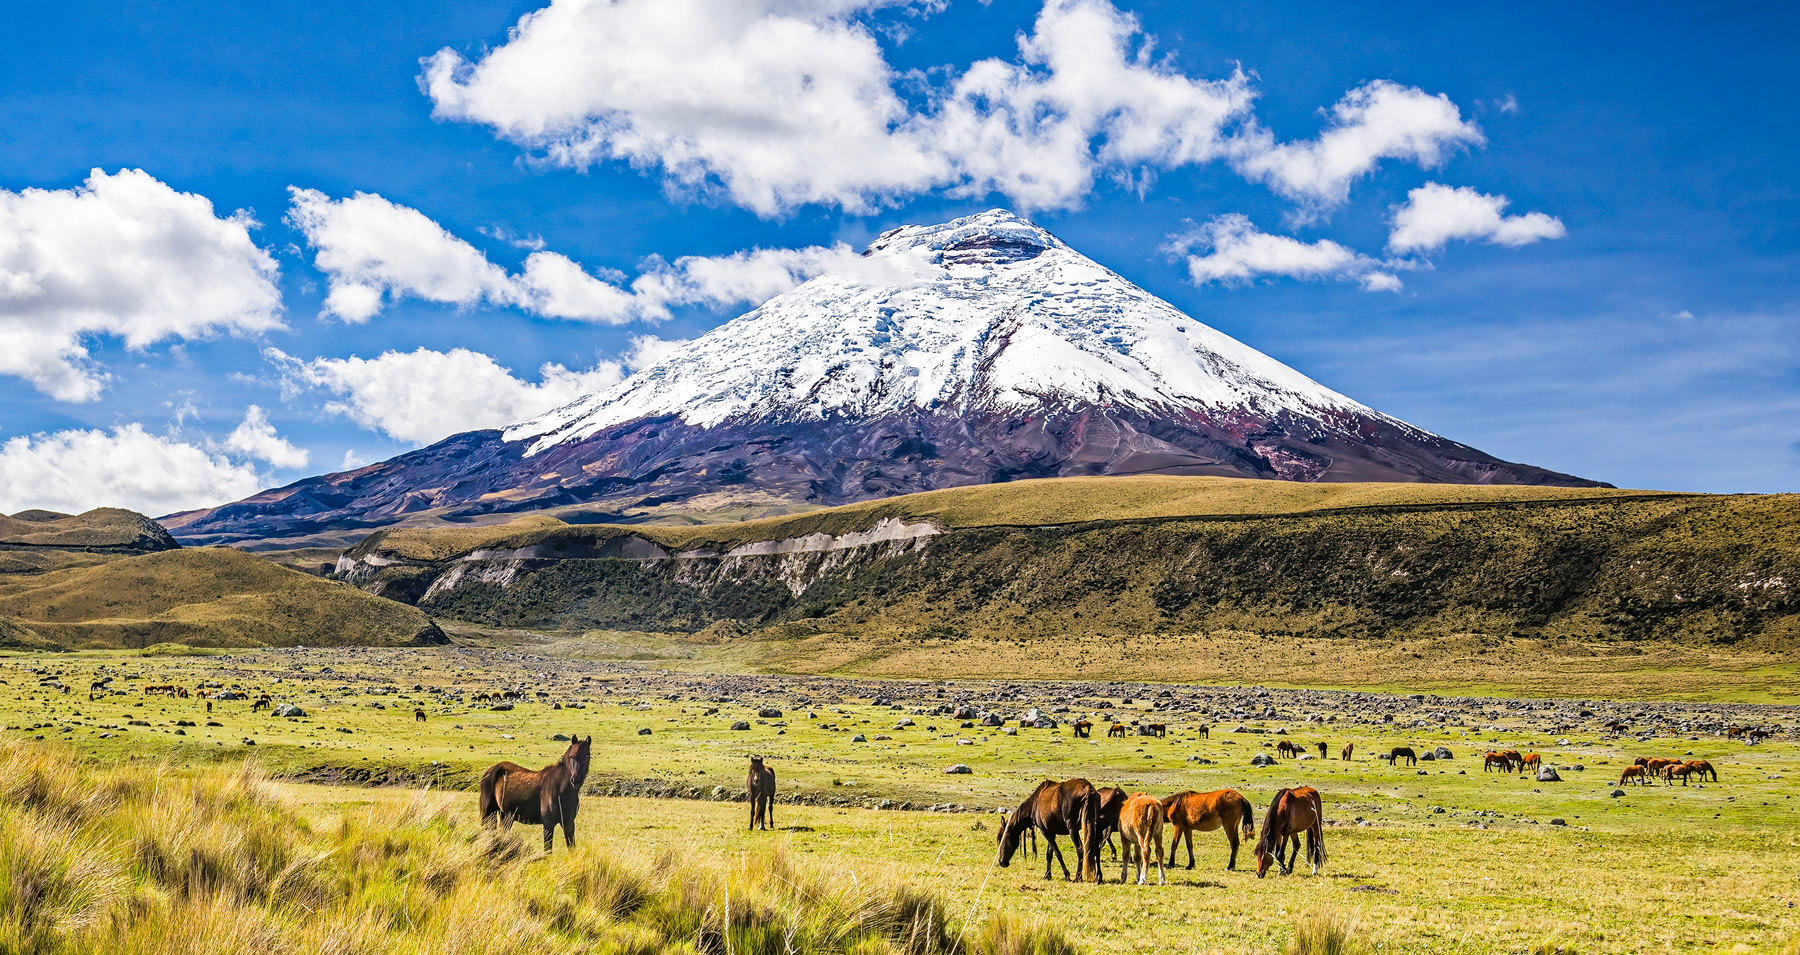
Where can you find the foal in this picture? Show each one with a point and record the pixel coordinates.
(1140, 826)
(761, 786)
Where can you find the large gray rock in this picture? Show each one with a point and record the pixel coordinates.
(1548, 775)
(741, 725)
(288, 709)
(992, 719)
(769, 713)
(1262, 759)
(960, 769)
(1442, 752)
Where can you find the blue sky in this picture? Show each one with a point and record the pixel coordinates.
(1650, 337)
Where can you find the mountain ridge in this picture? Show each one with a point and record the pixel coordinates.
(982, 350)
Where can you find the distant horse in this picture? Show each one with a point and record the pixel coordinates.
(1704, 769)
(1348, 749)
(1285, 748)
(1159, 730)
(1205, 731)
(1117, 729)
(1190, 811)
(1291, 812)
(1513, 757)
(549, 796)
(94, 688)
(1081, 728)
(1399, 753)
(1684, 770)
(262, 703)
(760, 784)
(1492, 759)
(1530, 761)
(418, 715)
(1655, 765)
(1140, 828)
(1069, 808)
(1634, 773)
(1734, 732)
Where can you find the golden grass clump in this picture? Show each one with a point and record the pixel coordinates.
(126, 861)
(1326, 931)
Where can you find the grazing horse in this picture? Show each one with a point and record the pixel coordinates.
(1285, 748)
(1190, 811)
(1656, 764)
(1530, 761)
(1634, 772)
(1159, 730)
(1348, 749)
(1403, 752)
(549, 796)
(1292, 812)
(1205, 731)
(1704, 769)
(95, 687)
(262, 703)
(1734, 732)
(1513, 755)
(760, 784)
(1081, 728)
(1029, 839)
(1117, 729)
(1140, 827)
(1684, 770)
(1069, 808)
(1491, 759)
(1321, 750)
(418, 714)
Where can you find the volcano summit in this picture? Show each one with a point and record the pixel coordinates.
(976, 351)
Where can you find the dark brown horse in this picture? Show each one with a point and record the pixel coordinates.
(1285, 748)
(761, 786)
(548, 796)
(1190, 811)
(1117, 729)
(1069, 808)
(1321, 750)
(1082, 728)
(1399, 753)
(1292, 812)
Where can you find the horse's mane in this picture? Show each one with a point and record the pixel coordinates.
(1267, 843)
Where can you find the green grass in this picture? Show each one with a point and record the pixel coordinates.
(1662, 868)
(102, 527)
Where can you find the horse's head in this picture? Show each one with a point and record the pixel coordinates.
(575, 759)
(756, 764)
(1008, 839)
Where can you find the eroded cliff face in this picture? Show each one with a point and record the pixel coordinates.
(522, 585)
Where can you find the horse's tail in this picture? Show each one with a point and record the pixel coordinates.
(490, 797)
(1246, 815)
(1318, 832)
(1089, 823)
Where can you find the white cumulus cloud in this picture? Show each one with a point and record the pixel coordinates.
(1376, 121)
(121, 255)
(423, 395)
(126, 467)
(784, 104)
(374, 251)
(255, 438)
(1235, 251)
(1435, 214)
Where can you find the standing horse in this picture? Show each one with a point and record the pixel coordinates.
(1348, 749)
(1399, 753)
(1634, 772)
(1069, 808)
(418, 715)
(1292, 812)
(1140, 826)
(1491, 759)
(1285, 748)
(1190, 811)
(1530, 761)
(548, 796)
(761, 786)
(1081, 728)
(1117, 729)
(1112, 800)
(1205, 731)
(1321, 750)
(1704, 768)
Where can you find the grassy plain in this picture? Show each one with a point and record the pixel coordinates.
(1659, 869)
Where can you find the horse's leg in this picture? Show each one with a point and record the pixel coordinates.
(1161, 876)
(1231, 836)
(1052, 852)
(769, 812)
(1312, 851)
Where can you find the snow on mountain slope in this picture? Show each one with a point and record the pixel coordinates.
(987, 313)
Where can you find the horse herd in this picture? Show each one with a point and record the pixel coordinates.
(551, 797)
(1645, 768)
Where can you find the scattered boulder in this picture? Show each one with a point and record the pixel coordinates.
(1262, 759)
(643, 731)
(859, 738)
(769, 713)
(288, 710)
(1559, 822)
(959, 769)
(1548, 775)
(1442, 752)
(741, 725)
(992, 719)
(1617, 793)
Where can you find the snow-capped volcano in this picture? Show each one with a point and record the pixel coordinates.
(980, 350)
(987, 313)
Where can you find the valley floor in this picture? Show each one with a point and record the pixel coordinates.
(1433, 858)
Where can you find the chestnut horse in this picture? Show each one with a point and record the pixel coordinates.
(1081, 728)
(1634, 772)
(1225, 809)
(1491, 759)
(1704, 768)
(1285, 748)
(1111, 801)
(1069, 808)
(1348, 749)
(760, 785)
(1140, 827)
(549, 796)
(1530, 761)
(1292, 812)
(1117, 729)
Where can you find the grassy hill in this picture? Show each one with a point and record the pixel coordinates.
(1079, 559)
(103, 528)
